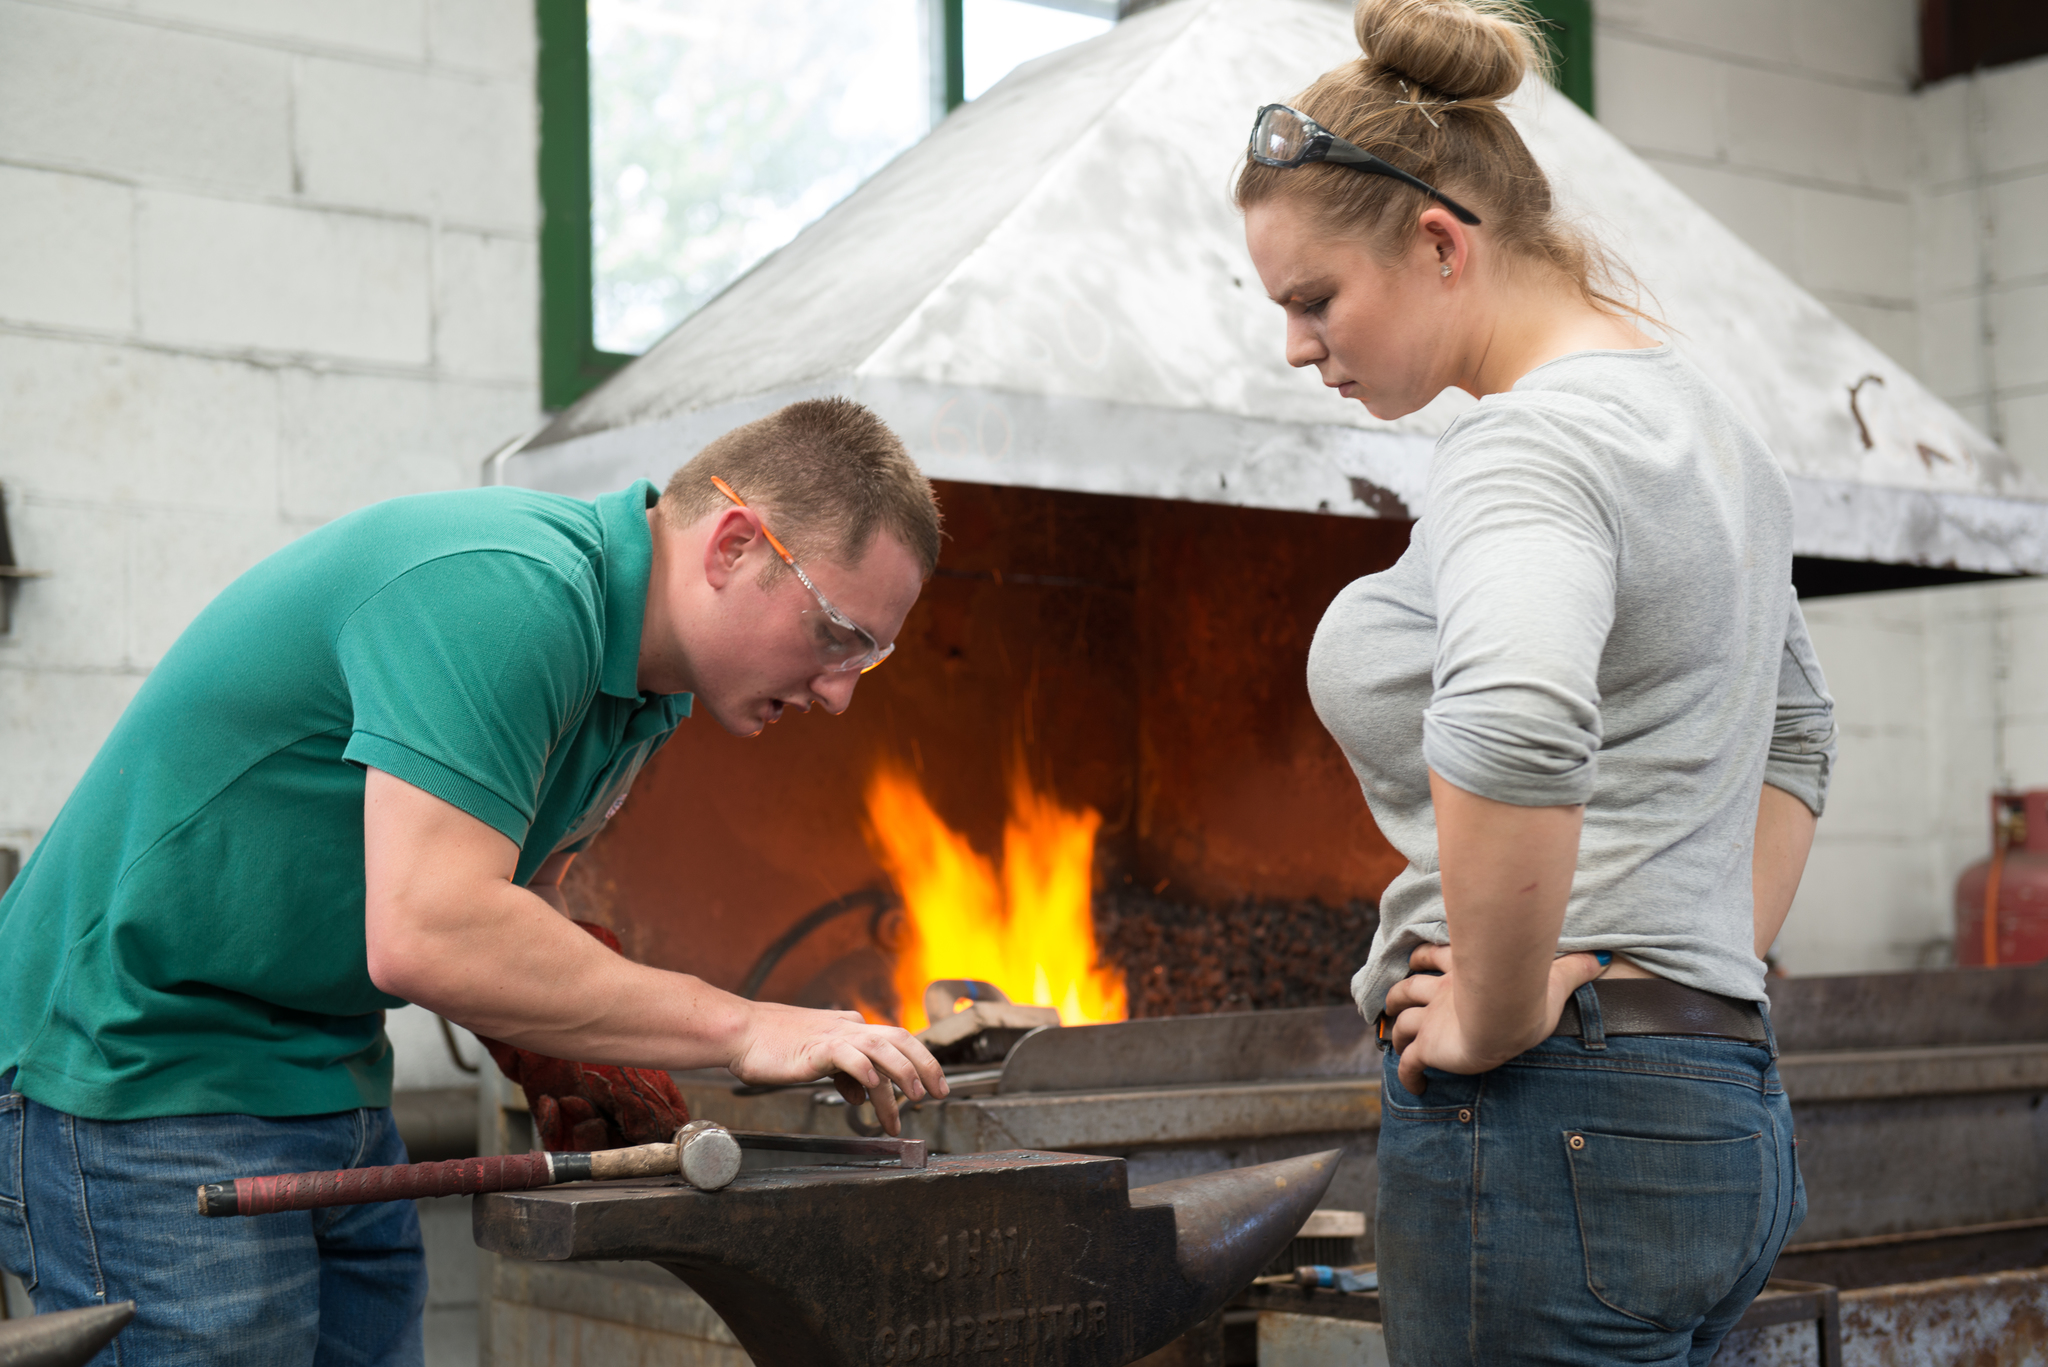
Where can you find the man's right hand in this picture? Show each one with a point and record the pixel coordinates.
(781, 1045)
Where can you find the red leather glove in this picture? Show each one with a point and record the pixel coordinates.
(581, 1107)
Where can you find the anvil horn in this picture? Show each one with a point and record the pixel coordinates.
(1006, 1259)
(66, 1338)
(1228, 1225)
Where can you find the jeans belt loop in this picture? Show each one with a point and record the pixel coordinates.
(1770, 1035)
(1592, 1034)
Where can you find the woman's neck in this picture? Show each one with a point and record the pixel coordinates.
(1533, 324)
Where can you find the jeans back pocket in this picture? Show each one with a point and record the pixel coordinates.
(17, 1249)
(1668, 1225)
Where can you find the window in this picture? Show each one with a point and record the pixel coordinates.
(683, 140)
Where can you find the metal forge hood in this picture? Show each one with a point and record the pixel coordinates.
(1052, 290)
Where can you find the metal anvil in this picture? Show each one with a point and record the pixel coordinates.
(1009, 1258)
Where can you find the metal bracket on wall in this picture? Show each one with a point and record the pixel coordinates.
(10, 573)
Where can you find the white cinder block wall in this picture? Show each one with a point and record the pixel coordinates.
(1917, 216)
(261, 262)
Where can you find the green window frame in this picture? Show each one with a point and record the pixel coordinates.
(571, 364)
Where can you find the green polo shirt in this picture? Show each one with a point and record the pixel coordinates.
(188, 938)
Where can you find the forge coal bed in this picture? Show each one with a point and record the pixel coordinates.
(1918, 1099)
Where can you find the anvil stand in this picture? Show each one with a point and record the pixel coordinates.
(1010, 1258)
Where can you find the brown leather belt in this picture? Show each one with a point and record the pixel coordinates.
(1656, 1006)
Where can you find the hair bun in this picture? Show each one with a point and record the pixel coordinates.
(1459, 49)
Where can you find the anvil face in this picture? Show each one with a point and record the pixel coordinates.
(1010, 1258)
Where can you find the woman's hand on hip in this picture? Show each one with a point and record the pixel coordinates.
(1429, 1030)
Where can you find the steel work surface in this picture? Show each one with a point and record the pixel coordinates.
(1028, 1256)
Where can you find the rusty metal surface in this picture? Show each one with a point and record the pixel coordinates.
(1317, 1042)
(1911, 1010)
(576, 1314)
(1877, 1074)
(2001, 1318)
(1897, 1164)
(1145, 1117)
(1925, 1255)
(1030, 1257)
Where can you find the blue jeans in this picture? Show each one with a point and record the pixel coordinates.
(1596, 1200)
(95, 1211)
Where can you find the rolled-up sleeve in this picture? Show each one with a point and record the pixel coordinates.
(1522, 549)
(1802, 755)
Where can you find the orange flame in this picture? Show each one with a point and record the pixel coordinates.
(1029, 930)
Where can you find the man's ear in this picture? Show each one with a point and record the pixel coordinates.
(732, 536)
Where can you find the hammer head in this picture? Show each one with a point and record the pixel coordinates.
(1015, 1257)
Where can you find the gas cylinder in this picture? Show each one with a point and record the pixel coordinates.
(2015, 875)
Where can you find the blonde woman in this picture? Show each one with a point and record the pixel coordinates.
(1583, 705)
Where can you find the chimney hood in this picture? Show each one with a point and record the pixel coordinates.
(1052, 290)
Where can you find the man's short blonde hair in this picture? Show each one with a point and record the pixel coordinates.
(826, 474)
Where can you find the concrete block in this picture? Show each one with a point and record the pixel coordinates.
(1864, 906)
(106, 424)
(2019, 333)
(76, 618)
(94, 91)
(349, 440)
(1855, 244)
(1866, 40)
(391, 28)
(1759, 211)
(2026, 752)
(2019, 242)
(52, 723)
(258, 275)
(1893, 328)
(1878, 790)
(487, 306)
(364, 135)
(1655, 99)
(1949, 245)
(1941, 128)
(2024, 423)
(2015, 111)
(484, 35)
(180, 563)
(66, 246)
(1833, 133)
(1952, 347)
(1759, 29)
(1313, 1341)
(1872, 668)
(420, 1055)
(419, 142)
(2026, 661)
(486, 168)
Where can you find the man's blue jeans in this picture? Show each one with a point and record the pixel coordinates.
(1605, 1200)
(95, 1211)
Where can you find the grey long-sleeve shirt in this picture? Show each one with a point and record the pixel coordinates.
(1596, 607)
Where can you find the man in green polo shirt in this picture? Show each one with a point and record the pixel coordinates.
(354, 782)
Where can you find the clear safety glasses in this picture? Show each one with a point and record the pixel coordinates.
(843, 647)
(1288, 138)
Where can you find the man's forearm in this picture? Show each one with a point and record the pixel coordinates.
(505, 963)
(1784, 837)
(1507, 877)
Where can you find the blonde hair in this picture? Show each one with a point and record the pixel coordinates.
(827, 473)
(1426, 97)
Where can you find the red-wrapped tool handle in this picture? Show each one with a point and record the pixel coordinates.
(359, 1186)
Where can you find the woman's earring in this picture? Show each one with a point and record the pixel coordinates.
(1444, 270)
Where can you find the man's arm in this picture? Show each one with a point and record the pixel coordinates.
(1784, 837)
(447, 928)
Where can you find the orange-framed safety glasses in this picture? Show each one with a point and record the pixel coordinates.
(844, 647)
